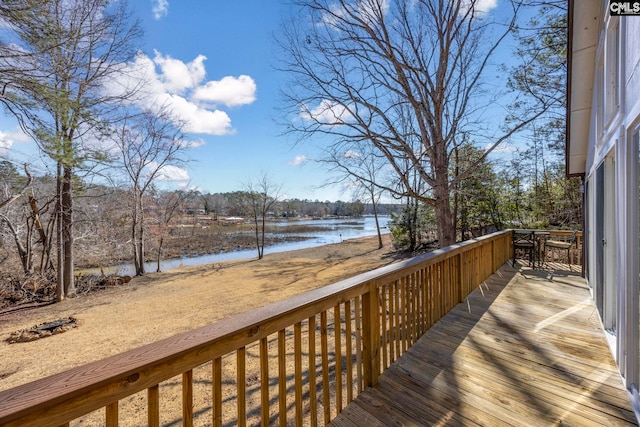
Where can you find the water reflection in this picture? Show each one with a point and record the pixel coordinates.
(334, 231)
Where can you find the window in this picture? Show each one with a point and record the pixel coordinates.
(612, 70)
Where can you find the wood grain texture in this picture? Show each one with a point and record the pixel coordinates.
(153, 411)
(527, 350)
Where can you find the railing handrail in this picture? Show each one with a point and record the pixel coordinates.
(92, 386)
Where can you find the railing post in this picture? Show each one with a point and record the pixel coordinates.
(371, 335)
(461, 277)
(494, 262)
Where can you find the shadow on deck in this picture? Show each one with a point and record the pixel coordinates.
(526, 348)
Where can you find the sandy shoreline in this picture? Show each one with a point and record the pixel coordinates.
(160, 305)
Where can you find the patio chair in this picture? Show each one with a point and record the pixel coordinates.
(561, 244)
(524, 240)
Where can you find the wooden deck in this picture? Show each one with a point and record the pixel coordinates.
(526, 349)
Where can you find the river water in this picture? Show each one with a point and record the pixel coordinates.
(335, 230)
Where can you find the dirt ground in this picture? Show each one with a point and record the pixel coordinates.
(159, 305)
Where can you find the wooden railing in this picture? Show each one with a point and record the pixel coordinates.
(299, 361)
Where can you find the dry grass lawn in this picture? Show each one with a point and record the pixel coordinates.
(160, 305)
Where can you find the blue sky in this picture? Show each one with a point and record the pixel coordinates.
(237, 39)
(237, 79)
(214, 63)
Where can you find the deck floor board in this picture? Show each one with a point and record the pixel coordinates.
(526, 349)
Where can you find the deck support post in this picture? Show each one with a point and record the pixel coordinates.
(371, 335)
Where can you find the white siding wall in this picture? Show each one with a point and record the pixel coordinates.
(611, 134)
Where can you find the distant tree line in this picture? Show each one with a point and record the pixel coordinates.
(230, 204)
(105, 216)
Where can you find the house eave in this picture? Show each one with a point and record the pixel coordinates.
(583, 21)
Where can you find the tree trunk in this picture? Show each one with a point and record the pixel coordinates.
(141, 238)
(59, 239)
(255, 223)
(22, 252)
(442, 203)
(159, 254)
(375, 215)
(136, 236)
(46, 263)
(44, 238)
(134, 246)
(67, 233)
(261, 255)
(444, 219)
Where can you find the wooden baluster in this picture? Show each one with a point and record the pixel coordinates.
(437, 286)
(414, 307)
(326, 404)
(112, 415)
(403, 313)
(187, 398)
(216, 391)
(371, 335)
(392, 331)
(264, 381)
(446, 281)
(153, 412)
(282, 378)
(383, 327)
(349, 348)
(337, 335)
(425, 300)
(408, 313)
(241, 385)
(396, 302)
(313, 408)
(375, 331)
(358, 315)
(297, 344)
(417, 304)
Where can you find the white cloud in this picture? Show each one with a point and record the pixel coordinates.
(171, 173)
(230, 91)
(350, 154)
(298, 160)
(194, 143)
(368, 10)
(160, 8)
(502, 148)
(480, 6)
(327, 112)
(180, 87)
(196, 118)
(7, 139)
(5, 146)
(176, 76)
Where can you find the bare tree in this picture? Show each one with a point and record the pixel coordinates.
(361, 171)
(147, 145)
(260, 197)
(381, 73)
(10, 196)
(167, 207)
(65, 56)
